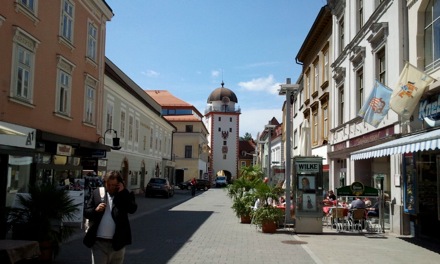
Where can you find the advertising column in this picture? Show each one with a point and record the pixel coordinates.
(309, 193)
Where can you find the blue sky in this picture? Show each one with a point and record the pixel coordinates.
(189, 46)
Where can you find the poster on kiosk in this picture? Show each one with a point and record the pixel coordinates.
(309, 192)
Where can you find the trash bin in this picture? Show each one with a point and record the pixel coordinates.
(405, 227)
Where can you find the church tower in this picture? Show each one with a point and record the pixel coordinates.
(222, 118)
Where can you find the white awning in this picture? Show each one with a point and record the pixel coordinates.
(413, 143)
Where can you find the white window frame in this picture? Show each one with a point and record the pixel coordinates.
(123, 117)
(23, 64)
(130, 127)
(360, 88)
(109, 115)
(326, 65)
(92, 41)
(67, 20)
(64, 86)
(316, 76)
(341, 104)
(90, 100)
(29, 8)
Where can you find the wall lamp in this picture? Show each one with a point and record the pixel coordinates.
(116, 145)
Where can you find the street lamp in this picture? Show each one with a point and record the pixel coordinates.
(116, 145)
(289, 90)
(269, 128)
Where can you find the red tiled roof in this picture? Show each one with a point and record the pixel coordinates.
(165, 98)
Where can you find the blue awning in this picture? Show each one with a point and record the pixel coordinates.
(407, 144)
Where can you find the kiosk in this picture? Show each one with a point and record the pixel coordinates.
(308, 194)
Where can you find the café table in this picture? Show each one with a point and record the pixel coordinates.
(13, 251)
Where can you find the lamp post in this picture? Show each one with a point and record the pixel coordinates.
(289, 90)
(116, 140)
(269, 128)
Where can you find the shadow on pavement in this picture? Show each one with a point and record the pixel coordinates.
(425, 243)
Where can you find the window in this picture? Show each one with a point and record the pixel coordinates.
(130, 127)
(295, 138)
(307, 85)
(90, 100)
(381, 66)
(219, 129)
(122, 124)
(189, 128)
(315, 126)
(188, 152)
(151, 138)
(136, 130)
(64, 86)
(360, 89)
(28, 8)
(29, 4)
(316, 79)
(325, 127)
(225, 143)
(92, 40)
(360, 14)
(90, 105)
(326, 66)
(23, 66)
(109, 116)
(67, 15)
(341, 35)
(242, 163)
(341, 105)
(219, 118)
(432, 34)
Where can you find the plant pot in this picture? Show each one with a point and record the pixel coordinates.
(245, 219)
(46, 251)
(269, 227)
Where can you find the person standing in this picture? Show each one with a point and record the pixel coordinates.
(109, 228)
(193, 186)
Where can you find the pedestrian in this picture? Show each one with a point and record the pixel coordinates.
(193, 187)
(109, 228)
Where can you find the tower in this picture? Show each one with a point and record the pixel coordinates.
(222, 118)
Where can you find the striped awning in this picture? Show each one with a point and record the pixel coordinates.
(407, 144)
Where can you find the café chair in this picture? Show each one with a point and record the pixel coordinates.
(339, 219)
(358, 219)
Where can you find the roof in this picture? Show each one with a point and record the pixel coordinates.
(220, 93)
(165, 98)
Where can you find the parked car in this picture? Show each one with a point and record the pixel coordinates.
(200, 185)
(159, 186)
(221, 181)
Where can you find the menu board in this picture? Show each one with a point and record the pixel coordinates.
(409, 186)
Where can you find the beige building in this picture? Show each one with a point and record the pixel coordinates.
(190, 143)
(145, 136)
(51, 80)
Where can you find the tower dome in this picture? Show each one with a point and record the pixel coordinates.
(222, 94)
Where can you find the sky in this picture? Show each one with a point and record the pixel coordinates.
(189, 47)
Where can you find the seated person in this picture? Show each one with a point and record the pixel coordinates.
(357, 203)
(374, 210)
(331, 196)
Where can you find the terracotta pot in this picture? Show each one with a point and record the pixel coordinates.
(269, 227)
(245, 219)
(46, 249)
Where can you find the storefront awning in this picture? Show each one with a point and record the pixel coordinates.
(413, 143)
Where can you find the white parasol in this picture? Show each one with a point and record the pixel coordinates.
(305, 148)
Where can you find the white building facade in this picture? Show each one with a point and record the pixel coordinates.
(222, 118)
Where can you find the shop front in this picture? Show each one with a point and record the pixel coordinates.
(419, 179)
(31, 156)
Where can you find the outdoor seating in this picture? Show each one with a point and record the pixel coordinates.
(339, 218)
(357, 219)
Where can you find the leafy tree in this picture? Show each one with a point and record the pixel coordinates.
(247, 136)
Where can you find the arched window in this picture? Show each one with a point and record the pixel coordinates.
(432, 35)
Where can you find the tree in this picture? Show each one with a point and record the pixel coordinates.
(247, 136)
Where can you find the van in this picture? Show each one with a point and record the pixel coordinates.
(221, 181)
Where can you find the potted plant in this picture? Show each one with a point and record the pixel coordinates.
(39, 215)
(267, 216)
(241, 191)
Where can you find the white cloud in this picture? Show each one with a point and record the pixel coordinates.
(267, 84)
(151, 73)
(215, 73)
